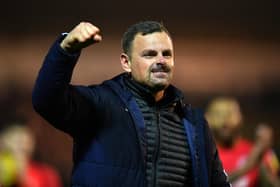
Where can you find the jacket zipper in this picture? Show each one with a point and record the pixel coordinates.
(157, 148)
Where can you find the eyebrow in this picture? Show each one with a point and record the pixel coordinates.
(149, 51)
(155, 51)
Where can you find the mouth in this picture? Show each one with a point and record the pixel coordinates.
(160, 74)
(160, 71)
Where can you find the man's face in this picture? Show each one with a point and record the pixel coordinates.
(151, 60)
(224, 117)
(20, 142)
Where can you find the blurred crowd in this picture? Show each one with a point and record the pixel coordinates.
(247, 163)
(17, 167)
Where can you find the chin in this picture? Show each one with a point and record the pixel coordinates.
(159, 87)
(160, 82)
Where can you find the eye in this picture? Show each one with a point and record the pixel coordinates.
(149, 54)
(167, 53)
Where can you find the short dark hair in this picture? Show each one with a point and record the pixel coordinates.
(144, 27)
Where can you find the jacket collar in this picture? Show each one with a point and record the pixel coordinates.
(119, 84)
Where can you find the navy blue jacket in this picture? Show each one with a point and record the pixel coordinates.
(106, 124)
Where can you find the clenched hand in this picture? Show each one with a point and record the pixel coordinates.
(83, 35)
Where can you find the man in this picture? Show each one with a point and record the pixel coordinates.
(132, 130)
(241, 158)
(17, 167)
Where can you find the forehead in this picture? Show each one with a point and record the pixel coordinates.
(227, 107)
(153, 40)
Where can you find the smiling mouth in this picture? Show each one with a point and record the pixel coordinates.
(160, 71)
(160, 74)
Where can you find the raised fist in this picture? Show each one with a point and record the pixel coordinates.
(83, 35)
(264, 135)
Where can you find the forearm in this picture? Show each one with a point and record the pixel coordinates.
(54, 76)
(253, 160)
(59, 63)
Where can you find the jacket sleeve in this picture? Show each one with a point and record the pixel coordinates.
(61, 104)
(216, 173)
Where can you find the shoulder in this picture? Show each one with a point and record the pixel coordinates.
(102, 89)
(105, 92)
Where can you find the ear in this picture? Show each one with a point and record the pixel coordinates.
(125, 62)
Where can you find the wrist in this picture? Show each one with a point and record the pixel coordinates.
(65, 46)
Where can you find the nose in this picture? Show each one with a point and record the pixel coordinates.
(161, 59)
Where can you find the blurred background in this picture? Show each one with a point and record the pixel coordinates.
(221, 48)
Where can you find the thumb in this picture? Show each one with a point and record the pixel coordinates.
(97, 38)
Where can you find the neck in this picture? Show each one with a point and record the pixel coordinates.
(158, 95)
(155, 93)
(226, 143)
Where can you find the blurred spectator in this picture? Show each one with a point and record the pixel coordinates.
(248, 164)
(17, 168)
